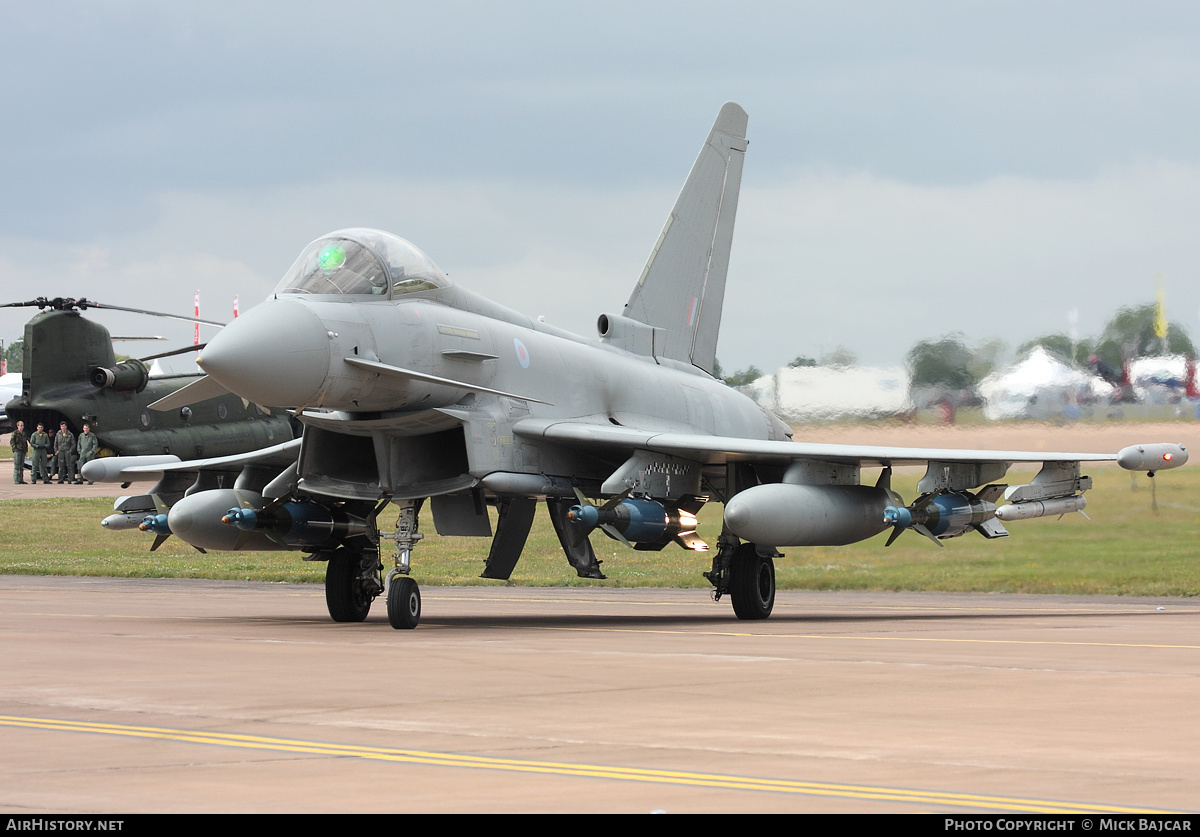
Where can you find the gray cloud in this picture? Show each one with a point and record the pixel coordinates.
(914, 168)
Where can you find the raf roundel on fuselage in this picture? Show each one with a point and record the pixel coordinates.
(362, 263)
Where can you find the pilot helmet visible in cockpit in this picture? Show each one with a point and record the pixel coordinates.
(361, 262)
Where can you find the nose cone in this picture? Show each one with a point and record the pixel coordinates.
(276, 354)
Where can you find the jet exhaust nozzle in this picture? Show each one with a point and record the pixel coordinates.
(126, 376)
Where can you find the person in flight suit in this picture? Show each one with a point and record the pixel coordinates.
(87, 447)
(19, 442)
(40, 442)
(64, 450)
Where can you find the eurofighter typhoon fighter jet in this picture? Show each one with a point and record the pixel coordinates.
(416, 392)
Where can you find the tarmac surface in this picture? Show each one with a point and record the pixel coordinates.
(134, 695)
(177, 695)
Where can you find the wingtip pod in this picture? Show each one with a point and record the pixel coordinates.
(1156, 457)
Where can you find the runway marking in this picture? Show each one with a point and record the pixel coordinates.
(635, 774)
(434, 624)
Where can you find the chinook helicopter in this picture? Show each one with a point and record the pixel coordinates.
(70, 373)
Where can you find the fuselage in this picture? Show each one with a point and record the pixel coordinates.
(445, 351)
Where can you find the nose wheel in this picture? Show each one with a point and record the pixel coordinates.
(403, 602)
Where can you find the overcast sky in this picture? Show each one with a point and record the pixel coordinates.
(914, 169)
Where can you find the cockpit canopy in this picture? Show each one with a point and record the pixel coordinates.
(361, 263)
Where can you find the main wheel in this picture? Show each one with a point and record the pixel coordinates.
(404, 603)
(752, 586)
(345, 595)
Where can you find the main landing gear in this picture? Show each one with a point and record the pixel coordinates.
(747, 574)
(353, 578)
(352, 582)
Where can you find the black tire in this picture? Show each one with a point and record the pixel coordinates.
(344, 594)
(404, 603)
(752, 586)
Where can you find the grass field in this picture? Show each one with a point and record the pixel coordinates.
(1127, 548)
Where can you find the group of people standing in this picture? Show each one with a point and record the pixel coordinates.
(60, 452)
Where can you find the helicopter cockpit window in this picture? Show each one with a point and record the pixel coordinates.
(362, 262)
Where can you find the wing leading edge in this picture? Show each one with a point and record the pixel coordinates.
(712, 450)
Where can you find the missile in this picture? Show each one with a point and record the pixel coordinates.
(527, 485)
(637, 520)
(945, 515)
(296, 524)
(128, 520)
(1041, 508)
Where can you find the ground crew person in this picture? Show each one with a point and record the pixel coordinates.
(40, 442)
(19, 443)
(64, 450)
(87, 448)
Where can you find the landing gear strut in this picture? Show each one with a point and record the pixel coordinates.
(404, 596)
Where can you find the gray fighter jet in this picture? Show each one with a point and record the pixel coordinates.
(413, 390)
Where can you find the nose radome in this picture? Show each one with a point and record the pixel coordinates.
(276, 354)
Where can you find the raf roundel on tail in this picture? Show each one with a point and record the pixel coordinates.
(415, 392)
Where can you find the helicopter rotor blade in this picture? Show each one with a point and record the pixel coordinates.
(60, 303)
(174, 352)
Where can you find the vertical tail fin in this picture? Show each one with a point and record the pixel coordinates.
(682, 289)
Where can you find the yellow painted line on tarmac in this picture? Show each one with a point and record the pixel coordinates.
(593, 771)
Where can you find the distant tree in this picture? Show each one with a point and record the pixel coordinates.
(1130, 333)
(13, 354)
(839, 357)
(945, 362)
(717, 370)
(1058, 345)
(746, 376)
(800, 361)
(987, 357)
(1062, 347)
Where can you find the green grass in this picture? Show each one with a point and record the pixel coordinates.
(1127, 548)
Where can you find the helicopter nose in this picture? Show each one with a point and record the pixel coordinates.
(276, 355)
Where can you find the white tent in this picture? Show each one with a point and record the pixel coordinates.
(816, 393)
(1040, 386)
(1159, 380)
